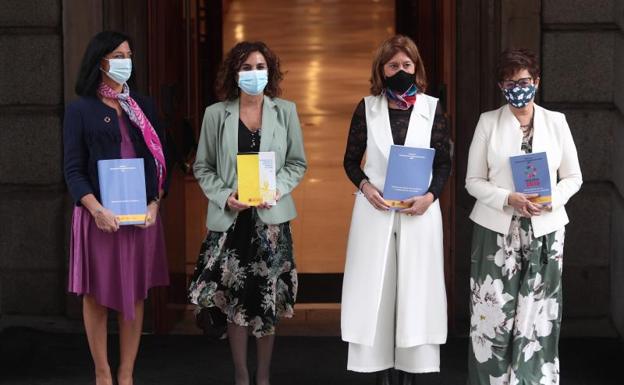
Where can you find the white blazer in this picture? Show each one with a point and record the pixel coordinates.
(489, 179)
(421, 297)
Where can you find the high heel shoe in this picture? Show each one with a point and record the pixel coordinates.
(384, 377)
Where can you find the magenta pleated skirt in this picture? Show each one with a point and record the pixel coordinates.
(119, 268)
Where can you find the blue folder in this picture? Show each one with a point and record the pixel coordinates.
(408, 174)
(531, 176)
(122, 189)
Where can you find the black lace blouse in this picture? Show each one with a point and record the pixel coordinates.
(248, 141)
(399, 122)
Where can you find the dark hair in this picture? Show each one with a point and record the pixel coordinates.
(512, 61)
(389, 48)
(227, 81)
(90, 74)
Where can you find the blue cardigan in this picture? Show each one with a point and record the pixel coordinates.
(91, 133)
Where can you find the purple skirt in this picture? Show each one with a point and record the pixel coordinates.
(117, 269)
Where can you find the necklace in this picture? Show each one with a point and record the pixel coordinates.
(526, 127)
(255, 135)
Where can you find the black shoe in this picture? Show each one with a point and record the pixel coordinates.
(384, 377)
(406, 378)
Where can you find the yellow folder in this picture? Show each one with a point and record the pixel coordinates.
(256, 178)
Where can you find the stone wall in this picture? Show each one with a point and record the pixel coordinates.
(580, 41)
(617, 161)
(33, 201)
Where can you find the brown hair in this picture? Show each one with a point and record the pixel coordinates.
(512, 61)
(227, 78)
(386, 51)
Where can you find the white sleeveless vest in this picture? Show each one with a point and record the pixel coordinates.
(421, 316)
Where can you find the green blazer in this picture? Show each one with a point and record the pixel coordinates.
(215, 165)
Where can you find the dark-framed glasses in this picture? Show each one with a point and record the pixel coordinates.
(511, 84)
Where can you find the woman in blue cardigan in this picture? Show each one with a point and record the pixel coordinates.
(112, 266)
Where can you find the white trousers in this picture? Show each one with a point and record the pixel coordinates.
(384, 354)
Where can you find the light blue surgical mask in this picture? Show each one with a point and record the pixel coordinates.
(253, 82)
(119, 70)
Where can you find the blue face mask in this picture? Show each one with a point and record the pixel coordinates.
(119, 70)
(253, 82)
(520, 96)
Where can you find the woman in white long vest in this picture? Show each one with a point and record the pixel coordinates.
(394, 299)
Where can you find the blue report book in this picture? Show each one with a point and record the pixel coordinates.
(531, 176)
(122, 189)
(408, 174)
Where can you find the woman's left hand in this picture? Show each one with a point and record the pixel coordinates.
(268, 206)
(150, 217)
(533, 209)
(418, 204)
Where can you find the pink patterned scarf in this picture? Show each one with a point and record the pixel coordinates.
(138, 118)
(405, 100)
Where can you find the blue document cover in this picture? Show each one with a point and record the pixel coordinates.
(122, 189)
(408, 174)
(531, 176)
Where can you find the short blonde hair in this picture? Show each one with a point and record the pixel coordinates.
(387, 50)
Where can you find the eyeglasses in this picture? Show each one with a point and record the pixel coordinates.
(511, 84)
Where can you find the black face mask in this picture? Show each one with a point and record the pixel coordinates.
(400, 81)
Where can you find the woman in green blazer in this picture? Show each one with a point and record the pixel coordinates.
(246, 266)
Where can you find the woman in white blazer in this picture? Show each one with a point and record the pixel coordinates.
(517, 244)
(394, 299)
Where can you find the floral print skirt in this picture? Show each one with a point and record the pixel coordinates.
(515, 306)
(248, 272)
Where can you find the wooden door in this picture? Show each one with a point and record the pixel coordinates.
(184, 40)
(185, 45)
(431, 24)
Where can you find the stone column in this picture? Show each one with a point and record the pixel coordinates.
(32, 192)
(617, 228)
(578, 78)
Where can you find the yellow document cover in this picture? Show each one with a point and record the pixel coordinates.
(256, 178)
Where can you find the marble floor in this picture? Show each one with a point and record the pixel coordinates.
(326, 49)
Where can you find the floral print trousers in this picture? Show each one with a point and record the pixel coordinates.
(515, 306)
